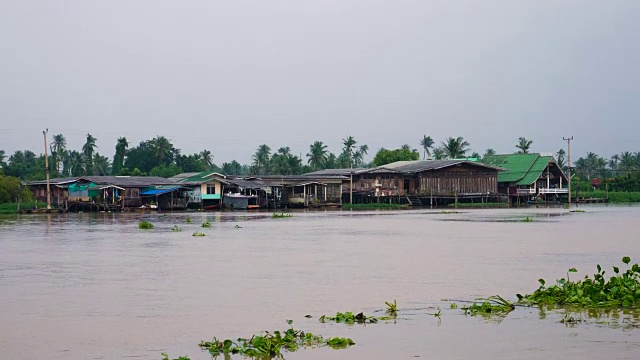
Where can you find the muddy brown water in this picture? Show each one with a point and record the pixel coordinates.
(94, 286)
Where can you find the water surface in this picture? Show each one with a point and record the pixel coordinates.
(94, 286)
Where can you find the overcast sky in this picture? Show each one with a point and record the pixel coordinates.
(230, 75)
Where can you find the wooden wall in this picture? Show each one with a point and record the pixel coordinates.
(461, 179)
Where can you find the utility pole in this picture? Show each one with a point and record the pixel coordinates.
(568, 140)
(46, 168)
(351, 182)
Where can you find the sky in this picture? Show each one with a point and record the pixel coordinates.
(229, 75)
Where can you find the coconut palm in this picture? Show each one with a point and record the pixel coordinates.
(101, 165)
(439, 153)
(317, 155)
(207, 159)
(427, 143)
(489, 152)
(627, 162)
(455, 147)
(349, 145)
(58, 147)
(523, 145)
(87, 150)
(261, 159)
(2, 157)
(162, 150)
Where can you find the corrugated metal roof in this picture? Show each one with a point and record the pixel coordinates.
(516, 165)
(535, 171)
(335, 172)
(200, 177)
(412, 167)
(129, 181)
(55, 181)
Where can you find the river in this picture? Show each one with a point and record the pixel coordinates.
(94, 286)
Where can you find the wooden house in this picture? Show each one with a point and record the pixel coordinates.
(204, 189)
(529, 176)
(59, 189)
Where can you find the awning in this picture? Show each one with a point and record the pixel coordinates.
(153, 192)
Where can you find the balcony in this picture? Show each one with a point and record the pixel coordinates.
(543, 191)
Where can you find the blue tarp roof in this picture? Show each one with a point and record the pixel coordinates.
(158, 191)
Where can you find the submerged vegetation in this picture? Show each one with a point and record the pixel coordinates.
(271, 344)
(620, 290)
(145, 225)
(281, 215)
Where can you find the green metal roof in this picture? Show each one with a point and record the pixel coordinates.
(516, 166)
(201, 177)
(536, 170)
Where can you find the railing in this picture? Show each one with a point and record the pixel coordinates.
(543, 191)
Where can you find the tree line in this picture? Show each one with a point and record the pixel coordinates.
(159, 157)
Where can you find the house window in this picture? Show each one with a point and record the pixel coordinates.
(211, 189)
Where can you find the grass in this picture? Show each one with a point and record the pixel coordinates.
(620, 290)
(270, 344)
(373, 206)
(614, 196)
(281, 215)
(12, 208)
(145, 225)
(479, 205)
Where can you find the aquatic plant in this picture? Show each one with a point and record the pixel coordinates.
(373, 206)
(270, 344)
(453, 306)
(577, 211)
(188, 220)
(281, 215)
(620, 290)
(392, 308)
(206, 224)
(528, 219)
(199, 234)
(490, 305)
(166, 357)
(238, 226)
(145, 225)
(176, 228)
(350, 318)
(449, 212)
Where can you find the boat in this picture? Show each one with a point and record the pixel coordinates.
(213, 207)
(240, 201)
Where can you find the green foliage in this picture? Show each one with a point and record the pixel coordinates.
(188, 220)
(12, 208)
(491, 305)
(199, 234)
(614, 197)
(12, 190)
(392, 307)
(176, 228)
(206, 224)
(145, 225)
(271, 344)
(620, 290)
(384, 156)
(528, 219)
(165, 171)
(166, 357)
(373, 206)
(349, 318)
(281, 216)
(478, 205)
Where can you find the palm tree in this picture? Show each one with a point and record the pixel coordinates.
(2, 157)
(207, 159)
(358, 156)
(87, 151)
(261, 159)
(58, 146)
(349, 144)
(627, 162)
(317, 155)
(280, 161)
(426, 143)
(76, 161)
(489, 152)
(455, 147)
(100, 164)
(439, 153)
(523, 145)
(162, 150)
(118, 158)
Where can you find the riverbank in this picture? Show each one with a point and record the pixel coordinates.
(373, 206)
(12, 208)
(613, 196)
